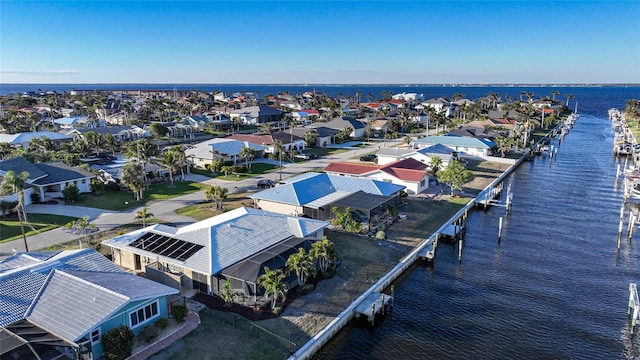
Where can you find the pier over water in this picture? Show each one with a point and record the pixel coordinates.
(517, 298)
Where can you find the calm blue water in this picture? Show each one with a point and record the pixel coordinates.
(555, 287)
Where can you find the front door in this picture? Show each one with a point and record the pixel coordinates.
(138, 263)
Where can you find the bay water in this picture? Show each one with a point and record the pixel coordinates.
(554, 287)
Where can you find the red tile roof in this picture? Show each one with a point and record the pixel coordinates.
(351, 168)
(256, 139)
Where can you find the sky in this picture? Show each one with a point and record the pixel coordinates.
(313, 42)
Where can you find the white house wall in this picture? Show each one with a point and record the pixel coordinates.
(279, 208)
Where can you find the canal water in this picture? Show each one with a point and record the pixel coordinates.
(554, 287)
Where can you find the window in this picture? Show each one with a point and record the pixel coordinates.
(84, 181)
(422, 182)
(143, 314)
(95, 336)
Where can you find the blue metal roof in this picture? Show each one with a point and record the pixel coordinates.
(457, 141)
(308, 187)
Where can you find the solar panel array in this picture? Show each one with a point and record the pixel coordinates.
(166, 246)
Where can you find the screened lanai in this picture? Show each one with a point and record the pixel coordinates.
(244, 275)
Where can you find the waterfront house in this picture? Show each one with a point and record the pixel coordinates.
(234, 246)
(57, 303)
(407, 172)
(47, 179)
(73, 122)
(120, 133)
(464, 146)
(423, 155)
(313, 194)
(325, 135)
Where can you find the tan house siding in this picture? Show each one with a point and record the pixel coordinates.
(285, 209)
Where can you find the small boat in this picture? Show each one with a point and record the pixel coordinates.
(623, 149)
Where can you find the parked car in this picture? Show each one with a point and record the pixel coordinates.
(369, 157)
(266, 184)
(306, 156)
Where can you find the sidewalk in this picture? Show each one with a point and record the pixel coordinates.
(165, 209)
(191, 322)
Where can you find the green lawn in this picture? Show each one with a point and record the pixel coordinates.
(256, 169)
(204, 210)
(123, 200)
(10, 226)
(324, 151)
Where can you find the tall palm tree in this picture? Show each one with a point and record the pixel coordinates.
(568, 96)
(13, 183)
(272, 281)
(171, 161)
(94, 140)
(248, 154)
(302, 264)
(132, 175)
(179, 153)
(324, 251)
(143, 151)
(435, 163)
(554, 93)
(143, 215)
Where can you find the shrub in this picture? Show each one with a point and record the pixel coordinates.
(239, 169)
(71, 193)
(380, 235)
(6, 206)
(149, 333)
(306, 289)
(331, 271)
(179, 311)
(277, 310)
(162, 323)
(118, 343)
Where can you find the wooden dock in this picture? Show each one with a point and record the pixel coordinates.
(375, 303)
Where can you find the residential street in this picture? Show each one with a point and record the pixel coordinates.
(165, 210)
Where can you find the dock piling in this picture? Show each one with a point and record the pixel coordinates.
(500, 229)
(635, 304)
(460, 250)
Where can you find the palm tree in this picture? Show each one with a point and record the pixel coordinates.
(179, 153)
(272, 281)
(302, 264)
(310, 137)
(14, 183)
(171, 161)
(94, 140)
(143, 215)
(435, 163)
(110, 143)
(504, 145)
(132, 175)
(568, 96)
(554, 93)
(265, 128)
(248, 154)
(216, 194)
(324, 251)
(143, 151)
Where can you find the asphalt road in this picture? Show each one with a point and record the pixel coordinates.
(165, 209)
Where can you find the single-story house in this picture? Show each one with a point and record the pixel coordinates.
(72, 122)
(312, 194)
(204, 153)
(23, 139)
(232, 246)
(464, 146)
(120, 133)
(424, 155)
(48, 178)
(339, 124)
(287, 139)
(407, 172)
(254, 115)
(325, 135)
(57, 303)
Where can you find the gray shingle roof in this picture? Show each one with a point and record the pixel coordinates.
(20, 284)
(20, 164)
(227, 238)
(58, 171)
(71, 303)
